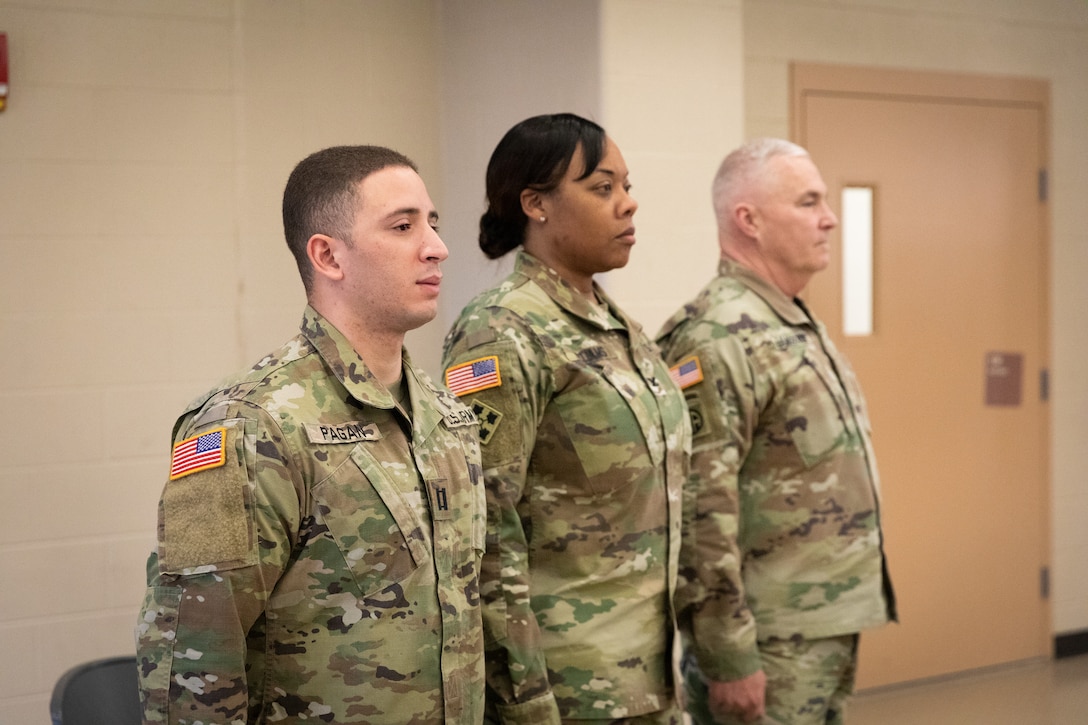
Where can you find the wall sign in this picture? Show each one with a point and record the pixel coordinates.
(1004, 378)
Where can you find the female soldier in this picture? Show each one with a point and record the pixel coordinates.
(584, 437)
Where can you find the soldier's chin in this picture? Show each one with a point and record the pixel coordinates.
(620, 260)
(422, 317)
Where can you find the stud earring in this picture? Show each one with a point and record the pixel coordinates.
(543, 219)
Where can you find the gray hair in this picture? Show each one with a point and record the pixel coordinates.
(743, 167)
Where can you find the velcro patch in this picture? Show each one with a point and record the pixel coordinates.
(695, 412)
(205, 521)
(199, 453)
(687, 372)
(593, 354)
(489, 420)
(459, 418)
(440, 503)
(474, 375)
(350, 432)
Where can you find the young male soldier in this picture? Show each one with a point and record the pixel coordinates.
(322, 527)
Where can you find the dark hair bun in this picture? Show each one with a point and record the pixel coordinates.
(499, 236)
(534, 154)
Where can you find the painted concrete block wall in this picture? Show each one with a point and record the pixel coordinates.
(503, 61)
(672, 80)
(143, 155)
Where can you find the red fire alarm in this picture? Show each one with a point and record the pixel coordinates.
(3, 71)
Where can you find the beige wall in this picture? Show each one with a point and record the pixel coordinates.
(1043, 39)
(671, 88)
(500, 66)
(145, 148)
(669, 124)
(142, 158)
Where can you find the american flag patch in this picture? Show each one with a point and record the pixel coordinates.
(199, 453)
(474, 376)
(687, 372)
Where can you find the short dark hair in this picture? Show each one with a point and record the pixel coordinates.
(534, 154)
(320, 196)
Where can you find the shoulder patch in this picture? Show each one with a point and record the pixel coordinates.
(474, 375)
(489, 420)
(687, 372)
(695, 413)
(199, 453)
(206, 522)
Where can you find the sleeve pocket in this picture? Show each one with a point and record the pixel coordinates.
(155, 634)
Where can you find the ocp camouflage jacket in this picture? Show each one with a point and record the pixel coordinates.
(584, 448)
(784, 536)
(327, 569)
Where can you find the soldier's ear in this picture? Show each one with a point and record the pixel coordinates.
(324, 252)
(746, 218)
(533, 205)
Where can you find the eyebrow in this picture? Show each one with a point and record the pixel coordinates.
(605, 170)
(432, 216)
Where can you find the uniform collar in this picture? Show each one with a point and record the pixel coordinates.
(344, 362)
(566, 296)
(790, 309)
(348, 367)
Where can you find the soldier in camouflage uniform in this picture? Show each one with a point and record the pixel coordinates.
(783, 560)
(322, 528)
(584, 443)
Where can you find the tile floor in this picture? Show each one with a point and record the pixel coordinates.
(1046, 692)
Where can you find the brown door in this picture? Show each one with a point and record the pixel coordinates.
(952, 369)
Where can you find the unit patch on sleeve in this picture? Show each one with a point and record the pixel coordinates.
(695, 412)
(474, 376)
(687, 372)
(489, 420)
(199, 453)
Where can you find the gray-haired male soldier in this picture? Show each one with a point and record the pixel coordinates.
(321, 531)
(783, 563)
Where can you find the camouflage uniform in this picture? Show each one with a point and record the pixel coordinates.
(584, 446)
(808, 683)
(785, 537)
(325, 571)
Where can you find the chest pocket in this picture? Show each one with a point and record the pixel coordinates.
(607, 423)
(375, 525)
(817, 412)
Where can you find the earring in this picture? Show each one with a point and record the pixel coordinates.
(543, 219)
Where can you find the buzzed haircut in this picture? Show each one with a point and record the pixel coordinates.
(321, 195)
(743, 167)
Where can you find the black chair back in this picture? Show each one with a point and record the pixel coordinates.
(100, 692)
